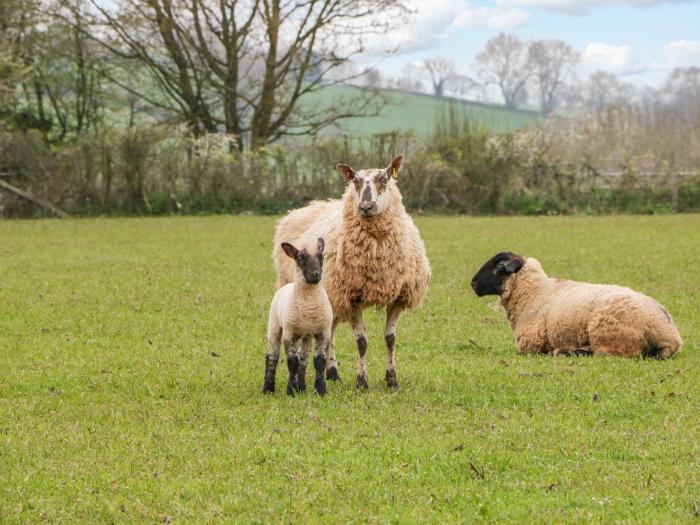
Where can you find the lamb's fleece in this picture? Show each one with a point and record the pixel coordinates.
(551, 315)
(367, 262)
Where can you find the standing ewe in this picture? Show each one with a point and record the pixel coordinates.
(374, 257)
(300, 311)
(560, 316)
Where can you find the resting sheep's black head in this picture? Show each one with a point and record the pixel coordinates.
(370, 186)
(492, 275)
(310, 265)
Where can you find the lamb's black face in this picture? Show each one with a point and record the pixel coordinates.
(310, 265)
(491, 276)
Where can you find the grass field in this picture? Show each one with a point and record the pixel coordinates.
(132, 354)
(419, 113)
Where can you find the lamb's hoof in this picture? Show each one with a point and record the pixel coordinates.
(583, 351)
(320, 387)
(391, 380)
(361, 382)
(292, 389)
(332, 374)
(269, 387)
(302, 386)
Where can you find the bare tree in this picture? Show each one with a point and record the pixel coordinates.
(552, 64)
(441, 71)
(504, 63)
(242, 66)
(604, 89)
(683, 87)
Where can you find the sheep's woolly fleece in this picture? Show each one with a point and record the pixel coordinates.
(550, 315)
(373, 262)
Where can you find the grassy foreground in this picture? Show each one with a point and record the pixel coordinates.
(132, 354)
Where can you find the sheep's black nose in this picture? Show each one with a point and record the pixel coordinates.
(474, 285)
(315, 276)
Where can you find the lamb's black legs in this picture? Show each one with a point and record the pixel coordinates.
(297, 363)
(303, 362)
(271, 359)
(292, 366)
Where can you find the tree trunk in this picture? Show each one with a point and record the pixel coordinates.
(263, 114)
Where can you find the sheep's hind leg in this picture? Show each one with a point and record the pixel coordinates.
(322, 343)
(358, 328)
(331, 363)
(393, 313)
(303, 362)
(583, 351)
(292, 366)
(271, 359)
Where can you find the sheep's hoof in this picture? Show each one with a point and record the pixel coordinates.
(302, 386)
(361, 382)
(292, 389)
(320, 387)
(391, 380)
(268, 387)
(332, 374)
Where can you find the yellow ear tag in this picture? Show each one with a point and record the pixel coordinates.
(394, 173)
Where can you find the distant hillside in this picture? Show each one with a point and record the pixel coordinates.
(417, 112)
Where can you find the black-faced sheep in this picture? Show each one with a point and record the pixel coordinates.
(300, 312)
(374, 256)
(557, 316)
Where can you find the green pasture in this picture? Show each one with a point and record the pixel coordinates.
(419, 113)
(131, 366)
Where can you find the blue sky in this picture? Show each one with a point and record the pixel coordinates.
(639, 40)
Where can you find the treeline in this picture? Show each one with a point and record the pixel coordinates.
(558, 168)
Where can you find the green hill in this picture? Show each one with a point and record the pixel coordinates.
(418, 112)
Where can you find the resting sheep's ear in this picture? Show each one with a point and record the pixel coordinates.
(346, 171)
(321, 244)
(512, 265)
(290, 250)
(395, 166)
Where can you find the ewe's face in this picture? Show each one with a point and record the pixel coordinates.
(310, 265)
(371, 186)
(491, 277)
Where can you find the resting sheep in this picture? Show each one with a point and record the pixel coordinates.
(299, 312)
(558, 316)
(374, 257)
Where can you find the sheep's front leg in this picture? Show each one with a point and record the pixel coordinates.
(393, 313)
(271, 359)
(358, 328)
(292, 365)
(331, 363)
(322, 344)
(303, 362)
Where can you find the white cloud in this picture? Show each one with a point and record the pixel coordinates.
(604, 57)
(498, 18)
(681, 53)
(581, 6)
(431, 21)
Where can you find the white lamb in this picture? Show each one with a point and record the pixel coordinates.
(300, 311)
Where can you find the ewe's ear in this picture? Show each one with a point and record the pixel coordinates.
(321, 244)
(395, 166)
(346, 171)
(512, 265)
(290, 250)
